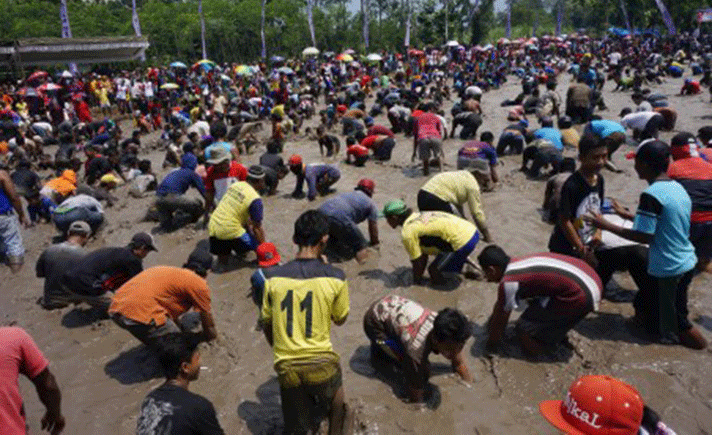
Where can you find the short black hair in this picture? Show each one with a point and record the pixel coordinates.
(487, 136)
(656, 155)
(310, 227)
(451, 325)
(360, 135)
(218, 130)
(588, 143)
(493, 255)
(350, 141)
(568, 164)
(174, 349)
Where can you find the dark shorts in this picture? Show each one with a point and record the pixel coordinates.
(453, 261)
(663, 307)
(548, 327)
(240, 246)
(147, 334)
(701, 238)
(307, 387)
(430, 147)
(345, 240)
(510, 143)
(383, 152)
(429, 202)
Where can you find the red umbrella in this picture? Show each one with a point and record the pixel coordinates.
(414, 52)
(37, 75)
(49, 87)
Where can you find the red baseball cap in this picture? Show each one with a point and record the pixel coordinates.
(295, 160)
(367, 185)
(267, 255)
(596, 405)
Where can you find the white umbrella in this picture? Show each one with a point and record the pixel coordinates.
(374, 57)
(310, 51)
(66, 74)
(349, 51)
(452, 43)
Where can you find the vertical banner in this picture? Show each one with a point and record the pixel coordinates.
(559, 17)
(667, 19)
(202, 28)
(509, 19)
(625, 17)
(136, 25)
(66, 30)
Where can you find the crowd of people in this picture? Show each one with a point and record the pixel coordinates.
(210, 118)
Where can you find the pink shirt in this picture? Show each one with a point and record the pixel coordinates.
(18, 354)
(427, 125)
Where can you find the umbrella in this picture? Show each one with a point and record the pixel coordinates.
(169, 86)
(277, 59)
(414, 52)
(66, 74)
(206, 64)
(48, 87)
(349, 51)
(178, 64)
(286, 70)
(503, 41)
(329, 53)
(37, 75)
(310, 51)
(344, 57)
(225, 78)
(452, 43)
(243, 70)
(374, 57)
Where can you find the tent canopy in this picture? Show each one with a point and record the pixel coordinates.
(47, 51)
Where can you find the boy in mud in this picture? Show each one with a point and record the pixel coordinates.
(555, 291)
(404, 333)
(301, 299)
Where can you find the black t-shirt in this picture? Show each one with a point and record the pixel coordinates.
(102, 270)
(172, 410)
(97, 168)
(273, 161)
(577, 199)
(25, 179)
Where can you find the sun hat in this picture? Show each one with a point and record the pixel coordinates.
(395, 207)
(256, 172)
(367, 185)
(267, 255)
(218, 155)
(596, 405)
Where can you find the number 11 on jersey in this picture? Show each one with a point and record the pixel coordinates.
(304, 306)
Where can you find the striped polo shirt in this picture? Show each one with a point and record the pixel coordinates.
(565, 285)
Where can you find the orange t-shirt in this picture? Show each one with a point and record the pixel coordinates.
(161, 292)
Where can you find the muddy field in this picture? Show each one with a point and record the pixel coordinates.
(105, 373)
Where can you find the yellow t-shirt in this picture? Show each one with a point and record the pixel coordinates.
(300, 300)
(232, 213)
(433, 232)
(458, 187)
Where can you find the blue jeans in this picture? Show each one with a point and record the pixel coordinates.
(10, 238)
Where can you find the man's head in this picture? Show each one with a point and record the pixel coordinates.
(199, 261)
(179, 356)
(625, 111)
(79, 232)
(295, 163)
(256, 177)
(141, 244)
(311, 230)
(451, 330)
(593, 153)
(546, 121)
(487, 136)
(367, 186)
(684, 145)
(220, 158)
(637, 97)
(396, 212)
(493, 261)
(218, 130)
(705, 135)
(652, 158)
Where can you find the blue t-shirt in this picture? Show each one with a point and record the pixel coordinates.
(178, 182)
(604, 128)
(551, 134)
(664, 212)
(350, 207)
(478, 150)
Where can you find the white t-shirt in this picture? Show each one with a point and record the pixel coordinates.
(637, 120)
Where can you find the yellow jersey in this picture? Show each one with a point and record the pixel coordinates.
(233, 212)
(458, 187)
(433, 232)
(300, 300)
